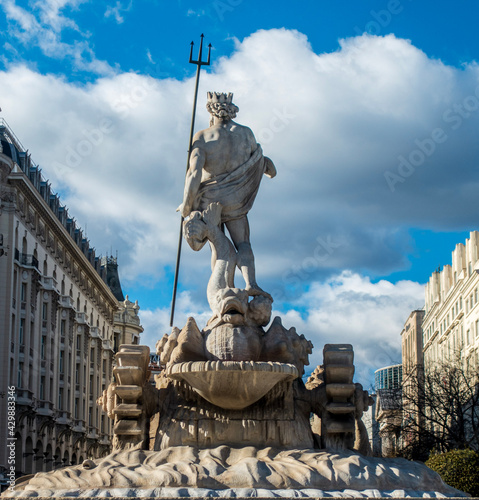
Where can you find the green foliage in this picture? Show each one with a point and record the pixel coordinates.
(458, 468)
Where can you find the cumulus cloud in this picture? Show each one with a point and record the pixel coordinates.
(333, 123)
(349, 309)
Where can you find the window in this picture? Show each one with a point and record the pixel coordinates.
(61, 362)
(43, 347)
(460, 303)
(23, 292)
(76, 407)
(22, 331)
(477, 327)
(78, 342)
(468, 336)
(60, 398)
(42, 387)
(44, 311)
(20, 374)
(77, 374)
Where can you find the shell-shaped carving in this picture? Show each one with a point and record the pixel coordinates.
(286, 346)
(234, 343)
(190, 344)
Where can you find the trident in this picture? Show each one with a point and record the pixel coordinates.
(198, 63)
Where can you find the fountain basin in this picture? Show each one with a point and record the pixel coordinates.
(232, 385)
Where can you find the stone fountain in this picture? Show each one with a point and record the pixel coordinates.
(229, 414)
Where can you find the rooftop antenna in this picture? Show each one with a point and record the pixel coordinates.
(199, 62)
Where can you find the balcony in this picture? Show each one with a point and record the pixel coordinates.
(95, 332)
(107, 345)
(49, 283)
(24, 397)
(63, 417)
(26, 260)
(79, 425)
(81, 318)
(66, 302)
(45, 408)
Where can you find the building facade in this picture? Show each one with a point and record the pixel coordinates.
(60, 322)
(387, 384)
(451, 321)
(413, 377)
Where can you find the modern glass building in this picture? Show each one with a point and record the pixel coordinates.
(389, 377)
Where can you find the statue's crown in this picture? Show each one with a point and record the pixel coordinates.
(220, 97)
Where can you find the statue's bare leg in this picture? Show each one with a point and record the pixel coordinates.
(239, 232)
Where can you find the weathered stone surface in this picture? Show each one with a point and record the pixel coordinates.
(234, 343)
(245, 470)
(224, 174)
(285, 346)
(231, 384)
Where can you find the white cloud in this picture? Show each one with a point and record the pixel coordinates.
(195, 13)
(349, 309)
(116, 10)
(43, 25)
(332, 123)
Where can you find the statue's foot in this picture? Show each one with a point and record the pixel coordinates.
(254, 290)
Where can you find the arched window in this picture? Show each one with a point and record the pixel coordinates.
(38, 459)
(28, 456)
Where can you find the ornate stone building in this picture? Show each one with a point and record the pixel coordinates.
(62, 315)
(451, 321)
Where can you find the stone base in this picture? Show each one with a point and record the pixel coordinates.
(245, 472)
(236, 493)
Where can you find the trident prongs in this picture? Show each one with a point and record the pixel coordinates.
(200, 62)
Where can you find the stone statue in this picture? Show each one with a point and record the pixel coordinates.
(226, 167)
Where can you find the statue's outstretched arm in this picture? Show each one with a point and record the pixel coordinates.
(192, 181)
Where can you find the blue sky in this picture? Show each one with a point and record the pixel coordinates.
(368, 109)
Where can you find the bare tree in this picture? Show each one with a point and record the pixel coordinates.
(440, 407)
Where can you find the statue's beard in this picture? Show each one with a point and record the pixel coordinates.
(222, 113)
